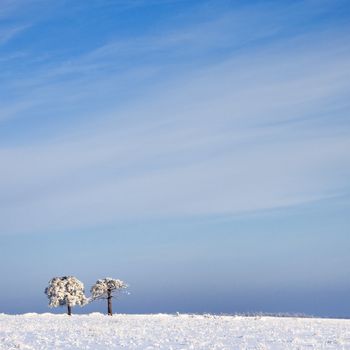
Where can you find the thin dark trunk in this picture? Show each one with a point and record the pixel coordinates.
(69, 310)
(109, 302)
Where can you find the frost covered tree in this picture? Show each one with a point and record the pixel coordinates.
(106, 289)
(66, 290)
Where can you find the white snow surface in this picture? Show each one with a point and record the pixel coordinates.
(96, 331)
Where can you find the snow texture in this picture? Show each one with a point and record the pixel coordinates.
(97, 331)
(107, 285)
(66, 290)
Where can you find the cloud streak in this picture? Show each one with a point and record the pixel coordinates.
(249, 131)
(9, 33)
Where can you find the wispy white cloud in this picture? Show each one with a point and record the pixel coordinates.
(207, 144)
(6, 34)
(251, 130)
(131, 61)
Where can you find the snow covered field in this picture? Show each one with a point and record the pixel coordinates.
(96, 331)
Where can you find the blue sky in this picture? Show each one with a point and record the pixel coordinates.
(198, 150)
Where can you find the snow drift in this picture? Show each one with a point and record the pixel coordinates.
(96, 331)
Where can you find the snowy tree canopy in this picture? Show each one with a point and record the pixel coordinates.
(66, 290)
(104, 288)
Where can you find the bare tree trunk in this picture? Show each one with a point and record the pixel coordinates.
(69, 310)
(109, 302)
